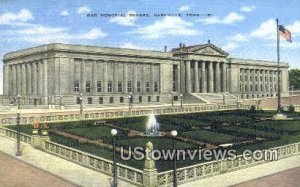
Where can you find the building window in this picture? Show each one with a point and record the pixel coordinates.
(111, 100)
(140, 99)
(119, 86)
(256, 88)
(129, 89)
(138, 86)
(175, 98)
(149, 98)
(246, 78)
(251, 78)
(100, 100)
(109, 86)
(251, 88)
(90, 100)
(88, 86)
(99, 86)
(147, 86)
(261, 87)
(157, 98)
(121, 99)
(256, 78)
(246, 87)
(173, 88)
(76, 86)
(261, 78)
(156, 87)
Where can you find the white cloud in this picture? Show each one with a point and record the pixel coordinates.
(266, 30)
(127, 20)
(168, 26)
(294, 28)
(231, 18)
(247, 8)
(64, 13)
(39, 34)
(93, 34)
(83, 10)
(239, 38)
(130, 45)
(184, 8)
(230, 46)
(22, 16)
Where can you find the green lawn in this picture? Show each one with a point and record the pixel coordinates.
(211, 137)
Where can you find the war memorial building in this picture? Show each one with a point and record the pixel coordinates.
(58, 73)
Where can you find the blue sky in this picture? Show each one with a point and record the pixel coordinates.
(244, 29)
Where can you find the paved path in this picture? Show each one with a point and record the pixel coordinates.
(251, 173)
(78, 175)
(289, 178)
(14, 172)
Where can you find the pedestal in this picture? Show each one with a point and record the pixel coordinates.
(150, 177)
(279, 116)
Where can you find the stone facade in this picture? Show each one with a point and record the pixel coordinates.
(58, 73)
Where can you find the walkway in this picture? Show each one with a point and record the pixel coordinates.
(14, 172)
(78, 175)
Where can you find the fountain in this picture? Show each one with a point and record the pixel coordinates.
(152, 126)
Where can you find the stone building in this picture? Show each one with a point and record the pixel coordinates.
(56, 74)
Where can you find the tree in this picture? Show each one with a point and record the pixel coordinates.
(294, 76)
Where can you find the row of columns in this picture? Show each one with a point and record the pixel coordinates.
(29, 78)
(266, 84)
(116, 78)
(213, 78)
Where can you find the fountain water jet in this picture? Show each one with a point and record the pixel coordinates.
(152, 126)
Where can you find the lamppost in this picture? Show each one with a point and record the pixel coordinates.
(129, 102)
(292, 87)
(18, 153)
(174, 134)
(114, 133)
(172, 98)
(181, 100)
(60, 101)
(81, 103)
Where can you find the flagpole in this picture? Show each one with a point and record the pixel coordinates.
(278, 69)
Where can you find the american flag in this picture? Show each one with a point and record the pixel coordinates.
(285, 33)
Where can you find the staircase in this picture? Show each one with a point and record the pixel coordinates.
(216, 98)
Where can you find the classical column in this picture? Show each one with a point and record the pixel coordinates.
(224, 80)
(40, 77)
(29, 78)
(143, 79)
(115, 77)
(264, 81)
(19, 77)
(258, 80)
(71, 76)
(152, 78)
(218, 78)
(14, 81)
(134, 72)
(82, 77)
(196, 77)
(203, 77)
(210, 77)
(182, 77)
(23, 79)
(94, 77)
(125, 77)
(6, 81)
(34, 78)
(248, 79)
(45, 76)
(104, 77)
(178, 78)
(188, 76)
(242, 90)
